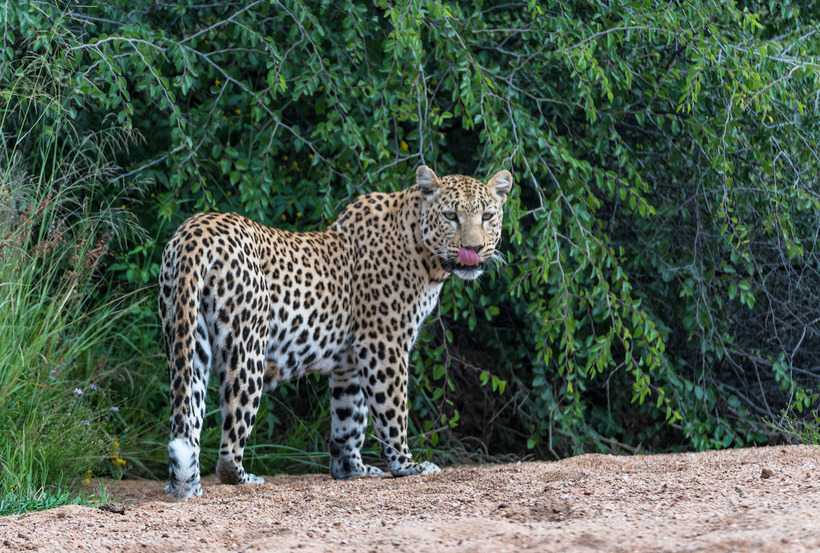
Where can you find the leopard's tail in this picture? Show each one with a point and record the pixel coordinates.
(189, 357)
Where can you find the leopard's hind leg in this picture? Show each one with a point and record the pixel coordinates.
(240, 349)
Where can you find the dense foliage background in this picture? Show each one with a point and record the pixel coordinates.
(661, 286)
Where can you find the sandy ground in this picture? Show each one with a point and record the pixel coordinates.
(764, 499)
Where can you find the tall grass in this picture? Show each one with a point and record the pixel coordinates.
(52, 331)
(56, 315)
(799, 428)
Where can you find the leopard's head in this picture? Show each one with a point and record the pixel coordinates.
(461, 219)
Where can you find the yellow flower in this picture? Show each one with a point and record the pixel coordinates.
(152, 194)
(298, 214)
(238, 111)
(403, 145)
(116, 444)
(347, 166)
(285, 158)
(310, 156)
(87, 478)
(229, 193)
(295, 165)
(121, 462)
(284, 218)
(122, 206)
(217, 82)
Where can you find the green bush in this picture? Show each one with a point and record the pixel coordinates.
(660, 289)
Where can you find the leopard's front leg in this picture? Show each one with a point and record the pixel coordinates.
(349, 422)
(384, 382)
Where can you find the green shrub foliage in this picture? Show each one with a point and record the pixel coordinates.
(661, 281)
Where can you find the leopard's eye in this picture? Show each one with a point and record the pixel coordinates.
(487, 216)
(450, 215)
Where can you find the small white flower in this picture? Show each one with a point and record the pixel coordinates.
(78, 391)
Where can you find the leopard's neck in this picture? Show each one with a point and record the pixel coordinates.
(408, 219)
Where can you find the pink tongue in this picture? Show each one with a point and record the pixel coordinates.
(468, 257)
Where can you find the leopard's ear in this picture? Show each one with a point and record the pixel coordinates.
(428, 182)
(500, 185)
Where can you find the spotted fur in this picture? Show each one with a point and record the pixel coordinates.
(263, 305)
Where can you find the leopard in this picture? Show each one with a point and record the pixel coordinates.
(263, 305)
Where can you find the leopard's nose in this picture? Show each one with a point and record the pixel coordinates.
(476, 249)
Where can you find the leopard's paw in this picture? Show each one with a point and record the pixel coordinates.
(425, 467)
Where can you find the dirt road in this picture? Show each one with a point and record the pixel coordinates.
(764, 499)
